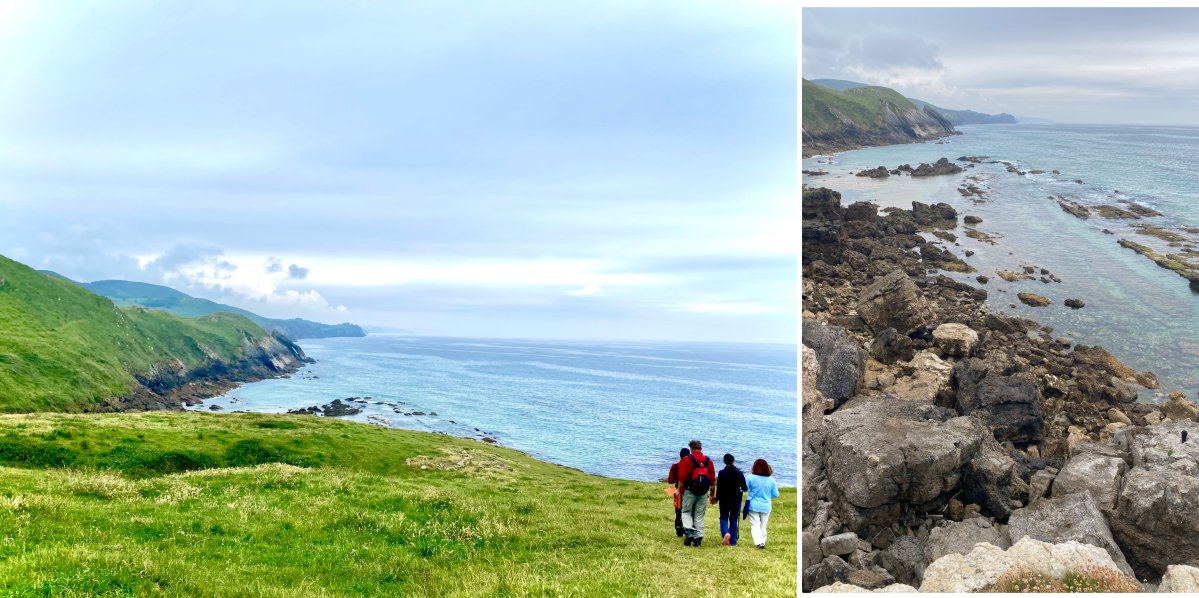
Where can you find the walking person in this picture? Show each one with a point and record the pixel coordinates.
(730, 483)
(762, 488)
(673, 479)
(697, 477)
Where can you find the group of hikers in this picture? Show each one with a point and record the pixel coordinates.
(694, 476)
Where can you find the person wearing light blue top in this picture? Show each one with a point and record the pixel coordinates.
(762, 488)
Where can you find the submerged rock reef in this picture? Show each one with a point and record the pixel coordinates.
(941, 439)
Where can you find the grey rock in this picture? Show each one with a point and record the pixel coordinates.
(880, 452)
(890, 346)
(839, 545)
(1073, 517)
(894, 301)
(826, 572)
(1040, 484)
(960, 538)
(904, 559)
(1155, 519)
(1093, 473)
(810, 548)
(1180, 578)
(840, 361)
(1007, 403)
(992, 479)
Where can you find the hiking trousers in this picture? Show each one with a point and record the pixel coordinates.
(730, 516)
(694, 508)
(757, 526)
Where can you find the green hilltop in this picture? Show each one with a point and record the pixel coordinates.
(63, 347)
(834, 121)
(155, 296)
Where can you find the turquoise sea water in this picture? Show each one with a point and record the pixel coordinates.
(615, 409)
(1145, 315)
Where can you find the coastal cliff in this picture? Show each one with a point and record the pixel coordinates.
(65, 348)
(836, 121)
(931, 424)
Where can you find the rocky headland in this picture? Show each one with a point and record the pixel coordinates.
(839, 120)
(931, 425)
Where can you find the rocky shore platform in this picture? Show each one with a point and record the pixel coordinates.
(931, 425)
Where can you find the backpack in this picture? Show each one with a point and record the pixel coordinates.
(701, 478)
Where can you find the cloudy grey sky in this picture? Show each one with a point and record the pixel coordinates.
(545, 169)
(1133, 66)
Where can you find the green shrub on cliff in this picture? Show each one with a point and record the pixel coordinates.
(385, 513)
(63, 347)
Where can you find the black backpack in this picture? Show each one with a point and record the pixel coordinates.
(700, 481)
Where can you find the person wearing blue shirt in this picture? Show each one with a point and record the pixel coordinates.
(762, 488)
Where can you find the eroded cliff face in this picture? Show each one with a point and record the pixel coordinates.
(899, 126)
(171, 385)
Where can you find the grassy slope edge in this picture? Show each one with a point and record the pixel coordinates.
(92, 508)
(63, 347)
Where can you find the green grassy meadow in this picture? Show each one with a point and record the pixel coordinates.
(197, 504)
(826, 109)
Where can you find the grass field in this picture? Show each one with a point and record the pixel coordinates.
(63, 347)
(195, 504)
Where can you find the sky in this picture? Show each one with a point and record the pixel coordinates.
(1081, 65)
(609, 170)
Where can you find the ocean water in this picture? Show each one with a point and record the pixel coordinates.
(1145, 315)
(616, 409)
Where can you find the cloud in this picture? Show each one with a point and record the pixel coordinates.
(587, 291)
(296, 272)
(273, 265)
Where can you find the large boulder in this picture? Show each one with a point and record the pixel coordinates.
(1073, 517)
(1008, 404)
(1155, 519)
(983, 566)
(883, 457)
(960, 537)
(938, 214)
(955, 340)
(814, 402)
(894, 301)
(1092, 473)
(1180, 578)
(840, 361)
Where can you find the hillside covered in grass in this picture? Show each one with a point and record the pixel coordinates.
(190, 504)
(63, 347)
(155, 296)
(864, 116)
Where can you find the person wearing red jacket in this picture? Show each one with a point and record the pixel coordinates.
(696, 478)
(673, 480)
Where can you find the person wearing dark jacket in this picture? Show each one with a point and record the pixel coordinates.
(673, 480)
(730, 483)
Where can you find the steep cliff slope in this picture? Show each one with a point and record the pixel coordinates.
(864, 116)
(63, 347)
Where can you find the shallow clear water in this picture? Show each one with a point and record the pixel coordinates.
(1145, 315)
(615, 409)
